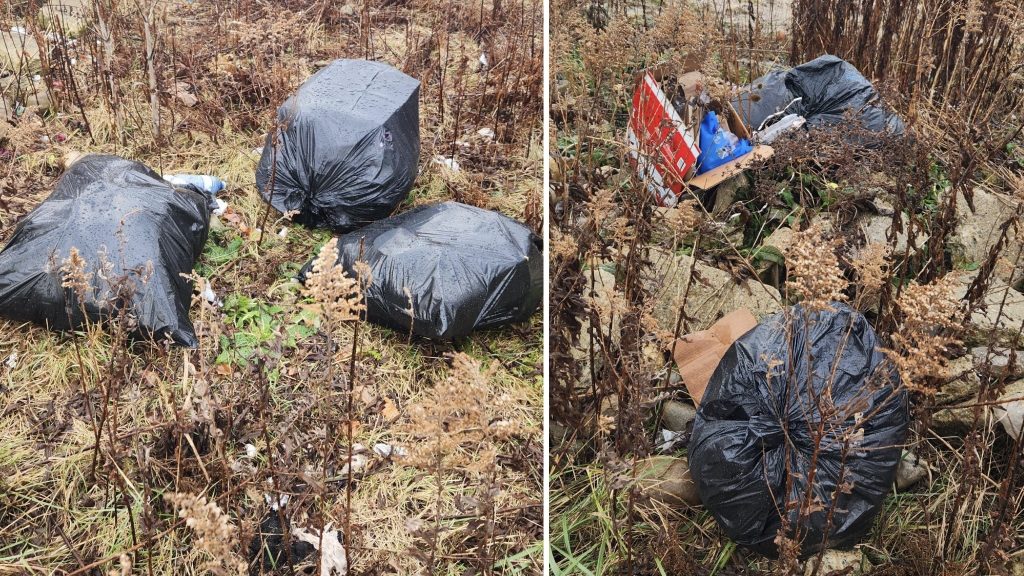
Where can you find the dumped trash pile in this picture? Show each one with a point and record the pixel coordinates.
(827, 91)
(684, 133)
(346, 148)
(123, 220)
(754, 450)
(444, 270)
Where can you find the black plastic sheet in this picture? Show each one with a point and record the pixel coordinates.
(829, 89)
(119, 215)
(348, 146)
(763, 407)
(464, 269)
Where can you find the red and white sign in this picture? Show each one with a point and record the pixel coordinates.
(660, 145)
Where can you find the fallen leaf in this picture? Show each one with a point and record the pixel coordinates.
(390, 412)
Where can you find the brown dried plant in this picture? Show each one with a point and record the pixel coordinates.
(215, 534)
(814, 274)
(339, 296)
(927, 331)
(871, 264)
(75, 277)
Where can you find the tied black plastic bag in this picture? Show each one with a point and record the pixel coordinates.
(348, 146)
(463, 268)
(763, 407)
(828, 88)
(126, 222)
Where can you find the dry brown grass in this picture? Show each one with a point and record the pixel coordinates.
(260, 408)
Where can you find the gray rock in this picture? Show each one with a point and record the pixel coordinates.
(1009, 410)
(978, 231)
(953, 422)
(676, 416)
(989, 321)
(667, 479)
(604, 291)
(962, 383)
(910, 471)
(726, 192)
(996, 359)
(876, 231)
(713, 293)
(19, 53)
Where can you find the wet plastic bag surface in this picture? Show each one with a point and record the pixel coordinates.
(829, 88)
(118, 214)
(348, 146)
(464, 268)
(761, 408)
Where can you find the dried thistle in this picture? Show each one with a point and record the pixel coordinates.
(215, 534)
(339, 295)
(814, 273)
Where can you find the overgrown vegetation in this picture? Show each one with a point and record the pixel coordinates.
(295, 437)
(917, 232)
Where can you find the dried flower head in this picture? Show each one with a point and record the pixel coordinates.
(813, 268)
(871, 264)
(74, 275)
(215, 534)
(459, 417)
(927, 331)
(339, 295)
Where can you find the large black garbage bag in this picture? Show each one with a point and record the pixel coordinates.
(465, 268)
(760, 394)
(348, 146)
(828, 86)
(119, 215)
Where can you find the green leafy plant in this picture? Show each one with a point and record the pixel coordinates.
(257, 325)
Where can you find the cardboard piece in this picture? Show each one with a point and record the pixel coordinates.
(664, 141)
(698, 354)
(722, 173)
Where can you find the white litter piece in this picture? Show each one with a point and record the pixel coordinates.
(669, 440)
(787, 124)
(283, 233)
(250, 451)
(332, 556)
(208, 294)
(221, 208)
(19, 30)
(275, 503)
(12, 360)
(483, 60)
(450, 163)
(486, 133)
(358, 464)
(385, 450)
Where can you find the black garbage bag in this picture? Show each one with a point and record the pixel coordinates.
(125, 222)
(348, 146)
(464, 268)
(828, 86)
(760, 408)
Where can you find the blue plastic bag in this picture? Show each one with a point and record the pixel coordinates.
(717, 145)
